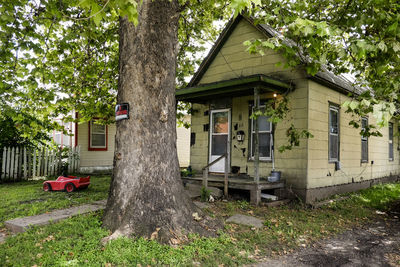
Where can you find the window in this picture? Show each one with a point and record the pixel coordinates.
(364, 140)
(97, 136)
(66, 137)
(264, 137)
(390, 141)
(333, 133)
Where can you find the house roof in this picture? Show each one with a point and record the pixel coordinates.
(235, 87)
(324, 76)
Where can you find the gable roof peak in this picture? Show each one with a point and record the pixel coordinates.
(324, 76)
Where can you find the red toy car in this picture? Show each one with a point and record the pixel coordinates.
(69, 183)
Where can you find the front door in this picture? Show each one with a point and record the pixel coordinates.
(219, 134)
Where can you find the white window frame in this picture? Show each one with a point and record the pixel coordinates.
(260, 132)
(336, 109)
(91, 135)
(390, 140)
(365, 140)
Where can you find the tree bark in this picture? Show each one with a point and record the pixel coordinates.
(146, 196)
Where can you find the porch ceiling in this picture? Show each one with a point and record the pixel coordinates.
(235, 87)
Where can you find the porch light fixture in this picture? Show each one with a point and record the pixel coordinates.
(275, 95)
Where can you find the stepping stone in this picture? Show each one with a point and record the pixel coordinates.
(245, 220)
(200, 205)
(20, 225)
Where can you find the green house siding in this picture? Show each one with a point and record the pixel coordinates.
(321, 173)
(199, 150)
(233, 61)
(293, 163)
(306, 168)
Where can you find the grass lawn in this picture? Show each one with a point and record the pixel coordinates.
(76, 241)
(27, 198)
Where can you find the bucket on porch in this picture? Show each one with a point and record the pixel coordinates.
(274, 176)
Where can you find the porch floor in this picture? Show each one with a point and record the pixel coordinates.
(238, 182)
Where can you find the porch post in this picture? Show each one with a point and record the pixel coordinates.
(227, 161)
(256, 141)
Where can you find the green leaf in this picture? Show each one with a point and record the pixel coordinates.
(353, 105)
(365, 102)
(393, 28)
(382, 46)
(346, 104)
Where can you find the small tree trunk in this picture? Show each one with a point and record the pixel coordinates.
(146, 195)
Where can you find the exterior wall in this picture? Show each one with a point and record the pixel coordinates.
(183, 144)
(95, 159)
(199, 150)
(293, 164)
(102, 161)
(233, 61)
(305, 168)
(321, 173)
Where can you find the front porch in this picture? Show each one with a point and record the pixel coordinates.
(224, 136)
(238, 182)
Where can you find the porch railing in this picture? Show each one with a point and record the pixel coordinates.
(207, 168)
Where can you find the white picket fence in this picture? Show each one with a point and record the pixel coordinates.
(21, 163)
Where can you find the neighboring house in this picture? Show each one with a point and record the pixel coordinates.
(61, 138)
(97, 146)
(337, 159)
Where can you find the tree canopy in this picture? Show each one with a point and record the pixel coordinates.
(357, 38)
(62, 56)
(57, 56)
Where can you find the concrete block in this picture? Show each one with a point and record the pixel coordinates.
(20, 225)
(245, 220)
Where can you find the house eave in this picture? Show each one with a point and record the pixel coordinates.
(234, 87)
(332, 85)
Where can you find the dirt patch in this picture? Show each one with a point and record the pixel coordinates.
(374, 244)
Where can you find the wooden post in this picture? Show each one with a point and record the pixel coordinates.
(227, 160)
(29, 152)
(13, 159)
(78, 160)
(3, 164)
(20, 162)
(73, 161)
(256, 138)
(255, 195)
(25, 165)
(53, 162)
(38, 173)
(34, 163)
(205, 177)
(59, 162)
(8, 164)
(46, 161)
(70, 161)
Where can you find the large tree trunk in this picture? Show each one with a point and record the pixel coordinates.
(146, 196)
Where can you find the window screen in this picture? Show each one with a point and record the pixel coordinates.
(97, 135)
(390, 141)
(264, 137)
(333, 133)
(364, 140)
